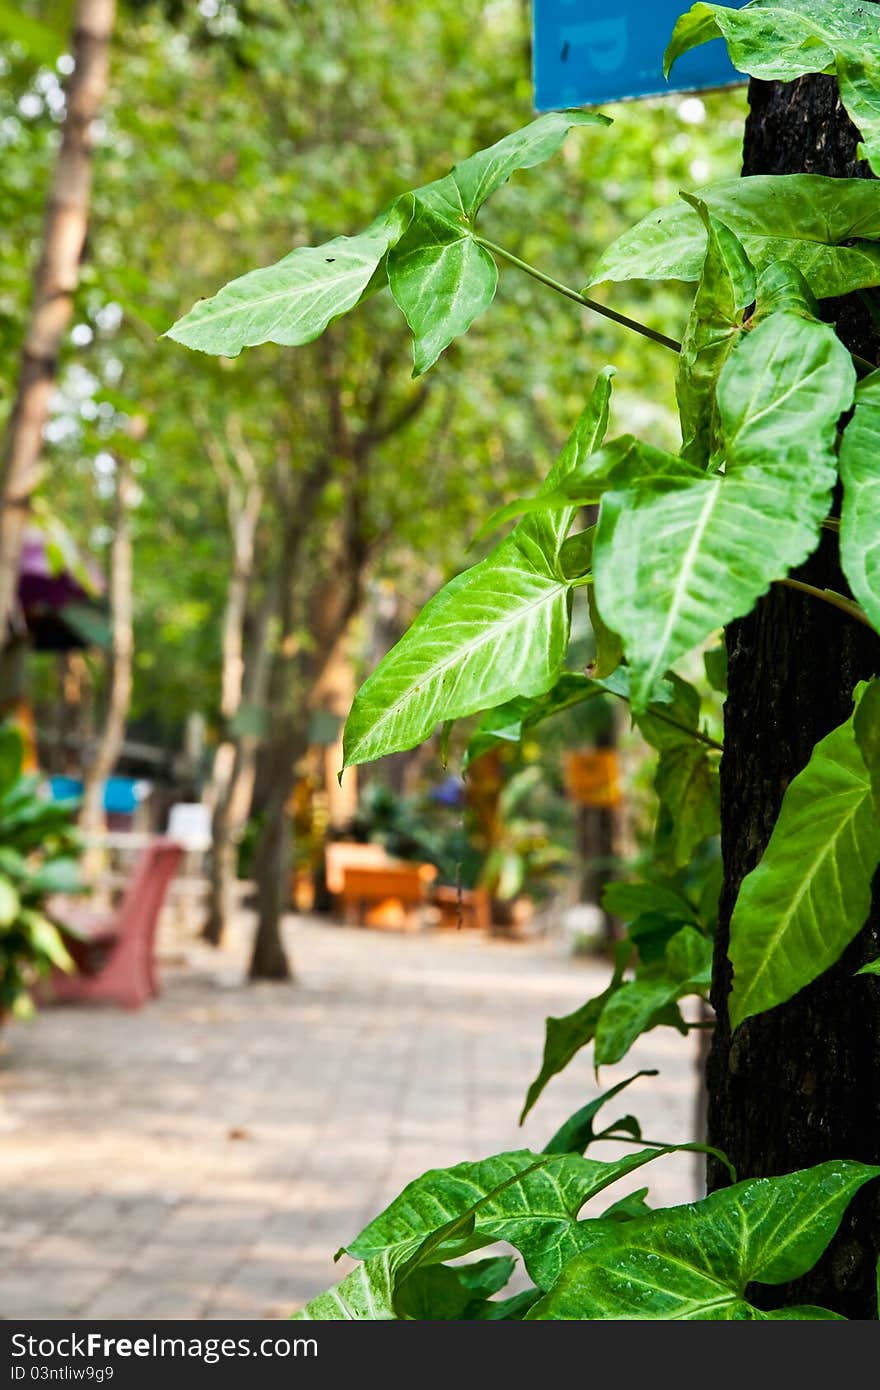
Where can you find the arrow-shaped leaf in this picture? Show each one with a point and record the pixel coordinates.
(826, 227)
(811, 892)
(679, 553)
(694, 1262)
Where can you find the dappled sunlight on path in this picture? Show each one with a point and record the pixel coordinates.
(206, 1156)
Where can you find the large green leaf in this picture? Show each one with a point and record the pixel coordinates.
(694, 1262)
(826, 227)
(529, 1200)
(780, 40)
(679, 553)
(293, 301)
(811, 892)
(727, 287)
(860, 473)
(646, 1001)
(498, 631)
(439, 274)
(441, 278)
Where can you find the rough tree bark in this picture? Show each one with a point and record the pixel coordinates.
(55, 281)
(801, 1083)
(92, 819)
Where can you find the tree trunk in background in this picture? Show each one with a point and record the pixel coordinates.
(92, 819)
(800, 1084)
(228, 760)
(233, 803)
(55, 281)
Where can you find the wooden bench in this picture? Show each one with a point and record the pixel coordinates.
(389, 894)
(340, 855)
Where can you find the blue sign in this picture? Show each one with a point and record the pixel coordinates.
(587, 53)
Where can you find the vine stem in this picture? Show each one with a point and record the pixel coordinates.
(674, 723)
(846, 605)
(581, 299)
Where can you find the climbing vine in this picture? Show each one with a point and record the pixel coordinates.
(776, 414)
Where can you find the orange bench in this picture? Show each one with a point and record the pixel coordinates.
(389, 894)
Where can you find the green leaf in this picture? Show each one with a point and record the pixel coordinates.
(511, 1309)
(293, 301)
(496, 632)
(628, 1208)
(609, 648)
(872, 968)
(727, 287)
(40, 40)
(45, 939)
(678, 554)
(508, 722)
(631, 900)
(440, 276)
(567, 1035)
(825, 227)
(687, 786)
(442, 1293)
(576, 1135)
(715, 664)
(9, 902)
(643, 1003)
(858, 77)
(860, 474)
(60, 875)
(480, 175)
(364, 1295)
(694, 1262)
(811, 892)
(529, 1200)
(780, 40)
(866, 727)
(11, 755)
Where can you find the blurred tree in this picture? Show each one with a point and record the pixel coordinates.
(232, 133)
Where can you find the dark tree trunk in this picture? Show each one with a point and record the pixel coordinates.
(801, 1084)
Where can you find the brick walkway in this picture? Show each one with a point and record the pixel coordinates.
(206, 1156)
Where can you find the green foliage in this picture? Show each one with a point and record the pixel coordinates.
(811, 892)
(440, 275)
(38, 856)
(694, 1262)
(860, 474)
(498, 631)
(780, 40)
(827, 228)
(685, 543)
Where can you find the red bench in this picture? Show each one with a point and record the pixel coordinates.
(114, 952)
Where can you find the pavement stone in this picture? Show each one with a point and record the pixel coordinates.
(205, 1157)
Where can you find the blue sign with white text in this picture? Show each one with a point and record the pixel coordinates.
(587, 53)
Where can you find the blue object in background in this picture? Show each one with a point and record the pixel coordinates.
(586, 53)
(121, 794)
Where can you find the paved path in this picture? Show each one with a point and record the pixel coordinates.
(206, 1156)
